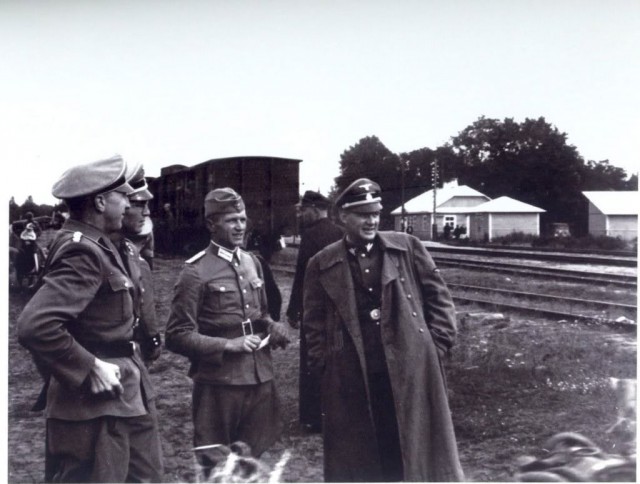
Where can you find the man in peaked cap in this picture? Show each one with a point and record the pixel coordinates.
(378, 320)
(100, 412)
(317, 232)
(131, 243)
(219, 319)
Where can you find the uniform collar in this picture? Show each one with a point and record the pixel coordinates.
(354, 249)
(225, 253)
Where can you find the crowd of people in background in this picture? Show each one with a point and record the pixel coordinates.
(375, 320)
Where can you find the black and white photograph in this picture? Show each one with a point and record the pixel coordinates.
(355, 241)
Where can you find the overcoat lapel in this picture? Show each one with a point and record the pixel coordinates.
(336, 268)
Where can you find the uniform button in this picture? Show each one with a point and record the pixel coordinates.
(363, 255)
(367, 271)
(236, 264)
(402, 279)
(241, 277)
(377, 323)
(246, 306)
(222, 289)
(414, 313)
(422, 330)
(244, 291)
(408, 296)
(371, 289)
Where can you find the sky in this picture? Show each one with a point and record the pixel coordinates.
(181, 82)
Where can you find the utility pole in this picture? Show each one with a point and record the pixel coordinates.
(404, 214)
(434, 178)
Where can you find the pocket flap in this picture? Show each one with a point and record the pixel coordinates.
(118, 282)
(257, 283)
(221, 287)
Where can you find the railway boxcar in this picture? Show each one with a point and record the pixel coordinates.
(268, 185)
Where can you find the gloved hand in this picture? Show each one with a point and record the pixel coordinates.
(279, 335)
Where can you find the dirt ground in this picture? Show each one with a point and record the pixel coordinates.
(512, 385)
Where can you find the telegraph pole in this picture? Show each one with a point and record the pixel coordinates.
(434, 178)
(404, 214)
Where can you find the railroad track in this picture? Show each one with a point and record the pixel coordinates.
(542, 309)
(544, 272)
(566, 257)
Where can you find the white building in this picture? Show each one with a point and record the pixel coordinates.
(614, 214)
(460, 205)
(503, 216)
(452, 204)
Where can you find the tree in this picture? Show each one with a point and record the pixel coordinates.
(529, 161)
(602, 175)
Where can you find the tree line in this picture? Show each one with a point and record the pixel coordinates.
(529, 161)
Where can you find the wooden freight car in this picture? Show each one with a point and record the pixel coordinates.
(268, 185)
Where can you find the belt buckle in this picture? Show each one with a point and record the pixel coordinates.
(247, 327)
(375, 314)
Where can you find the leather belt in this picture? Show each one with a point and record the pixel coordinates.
(112, 349)
(244, 328)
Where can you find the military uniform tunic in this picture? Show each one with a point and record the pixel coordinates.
(216, 291)
(84, 306)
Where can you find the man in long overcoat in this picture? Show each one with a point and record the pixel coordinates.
(318, 232)
(378, 320)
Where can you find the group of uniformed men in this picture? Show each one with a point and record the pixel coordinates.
(375, 320)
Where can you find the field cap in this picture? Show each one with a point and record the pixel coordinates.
(138, 182)
(223, 200)
(314, 199)
(363, 195)
(107, 175)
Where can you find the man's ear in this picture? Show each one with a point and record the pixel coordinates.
(342, 215)
(100, 202)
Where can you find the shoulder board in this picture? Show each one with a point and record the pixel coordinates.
(193, 259)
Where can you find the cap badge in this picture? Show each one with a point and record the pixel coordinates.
(366, 186)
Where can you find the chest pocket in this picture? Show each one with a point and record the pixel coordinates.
(222, 296)
(114, 303)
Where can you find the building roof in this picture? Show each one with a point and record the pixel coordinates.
(505, 205)
(424, 203)
(615, 203)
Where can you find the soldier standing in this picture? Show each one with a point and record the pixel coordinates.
(220, 320)
(317, 232)
(129, 242)
(100, 412)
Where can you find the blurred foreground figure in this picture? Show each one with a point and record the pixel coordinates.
(100, 412)
(378, 320)
(220, 320)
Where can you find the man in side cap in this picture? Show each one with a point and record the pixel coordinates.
(378, 320)
(100, 412)
(220, 320)
(317, 232)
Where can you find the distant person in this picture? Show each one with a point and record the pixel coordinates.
(220, 320)
(101, 422)
(378, 320)
(317, 232)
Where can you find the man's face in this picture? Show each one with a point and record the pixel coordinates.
(307, 215)
(115, 205)
(361, 227)
(228, 229)
(135, 216)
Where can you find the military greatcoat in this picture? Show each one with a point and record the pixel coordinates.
(417, 323)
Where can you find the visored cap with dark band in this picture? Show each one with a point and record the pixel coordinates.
(140, 188)
(363, 195)
(92, 178)
(223, 200)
